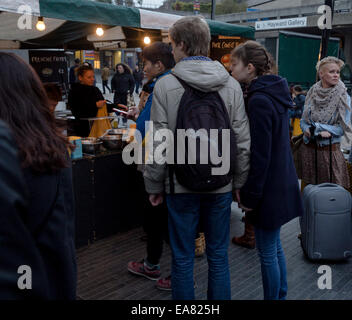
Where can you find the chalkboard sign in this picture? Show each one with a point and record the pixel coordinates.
(221, 47)
(51, 66)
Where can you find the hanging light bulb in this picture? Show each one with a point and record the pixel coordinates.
(100, 31)
(40, 24)
(147, 40)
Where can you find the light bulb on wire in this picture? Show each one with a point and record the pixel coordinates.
(40, 24)
(147, 40)
(100, 31)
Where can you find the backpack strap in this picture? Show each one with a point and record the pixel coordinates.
(171, 178)
(183, 83)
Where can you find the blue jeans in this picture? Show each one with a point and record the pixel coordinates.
(184, 214)
(273, 264)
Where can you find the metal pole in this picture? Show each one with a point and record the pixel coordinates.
(213, 5)
(326, 32)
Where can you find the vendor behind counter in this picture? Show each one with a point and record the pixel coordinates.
(84, 100)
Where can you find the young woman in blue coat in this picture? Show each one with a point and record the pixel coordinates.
(271, 195)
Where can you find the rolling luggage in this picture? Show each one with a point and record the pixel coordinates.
(326, 224)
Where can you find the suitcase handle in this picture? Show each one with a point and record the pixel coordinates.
(327, 184)
(316, 158)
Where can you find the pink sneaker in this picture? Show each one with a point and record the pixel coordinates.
(141, 269)
(164, 283)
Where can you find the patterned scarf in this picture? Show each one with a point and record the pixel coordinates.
(328, 106)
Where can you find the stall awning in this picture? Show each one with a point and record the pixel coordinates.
(74, 19)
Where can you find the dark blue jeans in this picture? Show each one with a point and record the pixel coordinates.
(273, 264)
(184, 213)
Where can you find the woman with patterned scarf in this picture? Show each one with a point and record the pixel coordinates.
(327, 114)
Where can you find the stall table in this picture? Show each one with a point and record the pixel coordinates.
(109, 196)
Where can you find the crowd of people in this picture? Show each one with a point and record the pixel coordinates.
(263, 179)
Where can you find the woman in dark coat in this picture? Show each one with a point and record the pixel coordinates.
(39, 232)
(271, 195)
(121, 83)
(84, 99)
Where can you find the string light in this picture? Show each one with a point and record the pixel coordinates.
(100, 31)
(40, 24)
(147, 40)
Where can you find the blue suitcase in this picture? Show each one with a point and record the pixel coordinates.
(326, 225)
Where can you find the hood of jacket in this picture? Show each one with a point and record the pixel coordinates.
(202, 75)
(276, 88)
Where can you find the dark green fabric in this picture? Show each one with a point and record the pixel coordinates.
(227, 29)
(298, 57)
(90, 12)
(67, 32)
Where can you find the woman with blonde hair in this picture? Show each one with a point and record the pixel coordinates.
(326, 118)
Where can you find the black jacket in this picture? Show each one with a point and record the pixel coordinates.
(138, 76)
(82, 101)
(121, 83)
(36, 229)
(272, 188)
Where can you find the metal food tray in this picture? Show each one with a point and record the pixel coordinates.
(98, 118)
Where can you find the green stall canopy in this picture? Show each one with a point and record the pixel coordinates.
(73, 20)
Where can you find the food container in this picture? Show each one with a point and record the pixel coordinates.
(112, 142)
(91, 145)
(117, 131)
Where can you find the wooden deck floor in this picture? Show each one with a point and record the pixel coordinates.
(103, 275)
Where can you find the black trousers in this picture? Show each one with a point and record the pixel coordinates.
(120, 98)
(105, 84)
(156, 227)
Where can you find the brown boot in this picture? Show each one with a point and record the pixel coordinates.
(248, 239)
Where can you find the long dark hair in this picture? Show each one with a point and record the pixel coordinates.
(24, 106)
(126, 68)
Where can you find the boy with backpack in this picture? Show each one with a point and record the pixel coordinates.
(199, 94)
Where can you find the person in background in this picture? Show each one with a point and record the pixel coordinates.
(38, 232)
(138, 78)
(73, 70)
(54, 94)
(105, 73)
(121, 83)
(84, 99)
(271, 195)
(298, 106)
(327, 115)
(158, 61)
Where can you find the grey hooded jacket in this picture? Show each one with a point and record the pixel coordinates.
(205, 76)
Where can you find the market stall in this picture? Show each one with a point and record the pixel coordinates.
(105, 188)
(69, 23)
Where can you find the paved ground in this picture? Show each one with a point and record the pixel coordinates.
(102, 273)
